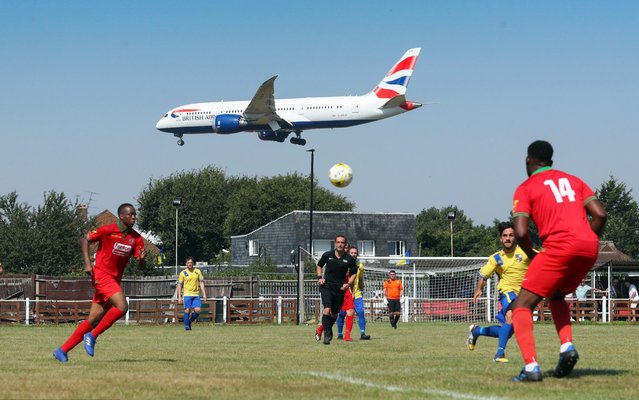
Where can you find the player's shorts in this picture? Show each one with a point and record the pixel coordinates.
(505, 300)
(394, 306)
(553, 271)
(349, 302)
(105, 287)
(192, 302)
(332, 297)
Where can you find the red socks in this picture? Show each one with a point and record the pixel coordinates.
(561, 317)
(349, 327)
(523, 323)
(77, 336)
(109, 319)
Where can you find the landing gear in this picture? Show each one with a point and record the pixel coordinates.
(298, 139)
(180, 142)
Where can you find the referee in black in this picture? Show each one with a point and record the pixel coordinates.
(331, 277)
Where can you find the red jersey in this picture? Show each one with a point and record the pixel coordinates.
(115, 248)
(555, 201)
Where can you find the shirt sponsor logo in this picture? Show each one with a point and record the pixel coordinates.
(121, 249)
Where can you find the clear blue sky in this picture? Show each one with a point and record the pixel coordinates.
(82, 85)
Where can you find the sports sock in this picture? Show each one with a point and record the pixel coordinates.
(187, 320)
(340, 322)
(361, 321)
(396, 318)
(349, 326)
(505, 333)
(109, 319)
(561, 317)
(327, 323)
(531, 367)
(319, 330)
(493, 330)
(77, 336)
(565, 346)
(194, 316)
(523, 325)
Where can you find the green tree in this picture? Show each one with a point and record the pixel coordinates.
(204, 195)
(433, 234)
(42, 240)
(622, 226)
(261, 201)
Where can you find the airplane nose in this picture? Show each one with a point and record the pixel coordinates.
(162, 125)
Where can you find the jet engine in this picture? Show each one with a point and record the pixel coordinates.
(274, 136)
(229, 123)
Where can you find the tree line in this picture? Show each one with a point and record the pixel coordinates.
(213, 207)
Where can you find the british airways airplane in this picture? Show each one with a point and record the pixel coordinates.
(276, 119)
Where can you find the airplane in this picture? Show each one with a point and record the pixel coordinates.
(275, 120)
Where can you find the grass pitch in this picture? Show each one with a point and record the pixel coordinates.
(418, 360)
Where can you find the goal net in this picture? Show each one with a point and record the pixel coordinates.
(435, 288)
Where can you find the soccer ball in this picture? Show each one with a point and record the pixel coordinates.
(340, 175)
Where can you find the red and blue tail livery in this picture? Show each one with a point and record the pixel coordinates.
(275, 119)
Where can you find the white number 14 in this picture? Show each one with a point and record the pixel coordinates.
(561, 190)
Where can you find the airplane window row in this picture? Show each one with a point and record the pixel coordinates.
(323, 107)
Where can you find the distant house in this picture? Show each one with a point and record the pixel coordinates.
(375, 234)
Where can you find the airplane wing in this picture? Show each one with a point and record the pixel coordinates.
(261, 109)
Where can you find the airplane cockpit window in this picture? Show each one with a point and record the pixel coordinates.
(166, 115)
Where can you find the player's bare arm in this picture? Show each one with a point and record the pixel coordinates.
(598, 216)
(84, 245)
(523, 237)
(142, 257)
(479, 289)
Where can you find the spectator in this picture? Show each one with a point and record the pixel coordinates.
(633, 296)
(614, 289)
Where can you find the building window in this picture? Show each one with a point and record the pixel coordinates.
(254, 247)
(321, 246)
(366, 247)
(396, 248)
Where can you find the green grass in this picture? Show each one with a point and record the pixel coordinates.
(418, 360)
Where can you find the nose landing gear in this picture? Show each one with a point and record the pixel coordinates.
(180, 142)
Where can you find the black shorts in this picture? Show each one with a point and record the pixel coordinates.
(394, 306)
(332, 297)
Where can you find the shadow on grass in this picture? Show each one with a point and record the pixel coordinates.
(144, 360)
(578, 373)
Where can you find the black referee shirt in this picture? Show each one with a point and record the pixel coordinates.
(336, 268)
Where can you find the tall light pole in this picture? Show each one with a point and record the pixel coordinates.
(451, 218)
(310, 222)
(176, 203)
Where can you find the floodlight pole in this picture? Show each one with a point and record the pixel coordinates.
(310, 221)
(176, 203)
(451, 217)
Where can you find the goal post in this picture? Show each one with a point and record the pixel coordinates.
(435, 288)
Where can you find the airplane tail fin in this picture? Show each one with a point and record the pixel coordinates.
(396, 81)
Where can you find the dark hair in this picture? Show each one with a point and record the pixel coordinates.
(392, 271)
(123, 206)
(540, 150)
(190, 258)
(504, 225)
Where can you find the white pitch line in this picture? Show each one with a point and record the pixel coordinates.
(393, 388)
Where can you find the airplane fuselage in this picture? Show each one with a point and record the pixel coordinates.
(303, 113)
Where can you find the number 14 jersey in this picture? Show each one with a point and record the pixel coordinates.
(555, 201)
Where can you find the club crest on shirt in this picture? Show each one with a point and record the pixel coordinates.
(519, 258)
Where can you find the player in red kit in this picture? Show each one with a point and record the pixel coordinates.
(559, 204)
(117, 243)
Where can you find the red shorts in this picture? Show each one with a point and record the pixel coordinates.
(349, 303)
(558, 271)
(105, 287)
